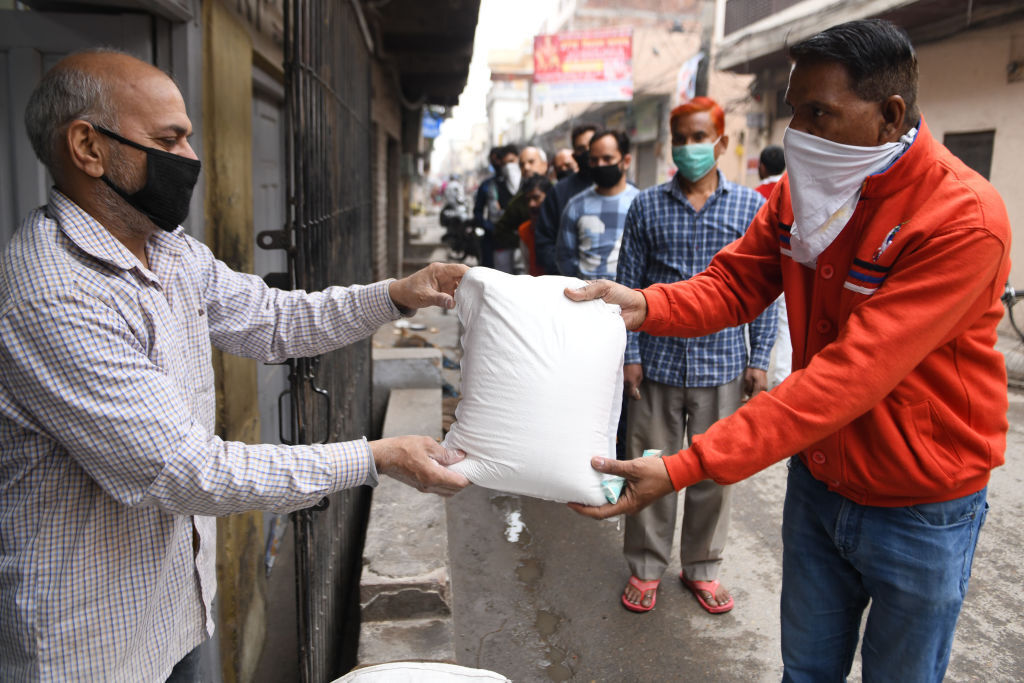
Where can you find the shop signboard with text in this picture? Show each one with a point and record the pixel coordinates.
(583, 66)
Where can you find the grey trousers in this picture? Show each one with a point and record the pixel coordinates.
(661, 418)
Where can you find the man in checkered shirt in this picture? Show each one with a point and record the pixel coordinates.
(681, 387)
(110, 470)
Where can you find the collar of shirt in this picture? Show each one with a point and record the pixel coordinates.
(91, 237)
(672, 188)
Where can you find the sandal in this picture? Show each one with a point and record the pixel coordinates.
(711, 587)
(644, 587)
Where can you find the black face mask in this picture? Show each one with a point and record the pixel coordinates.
(583, 161)
(562, 173)
(170, 179)
(606, 176)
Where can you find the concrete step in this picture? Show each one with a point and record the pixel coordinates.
(411, 262)
(418, 251)
(406, 368)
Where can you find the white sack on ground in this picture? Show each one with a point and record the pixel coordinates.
(541, 386)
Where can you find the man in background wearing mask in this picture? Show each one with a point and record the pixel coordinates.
(532, 162)
(493, 196)
(893, 255)
(680, 387)
(545, 228)
(590, 232)
(564, 164)
(112, 471)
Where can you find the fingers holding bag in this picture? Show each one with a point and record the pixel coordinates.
(420, 462)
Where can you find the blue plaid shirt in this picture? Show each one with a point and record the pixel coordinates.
(666, 240)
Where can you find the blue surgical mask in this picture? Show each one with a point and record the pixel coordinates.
(696, 160)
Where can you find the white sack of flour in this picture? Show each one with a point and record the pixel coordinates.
(541, 386)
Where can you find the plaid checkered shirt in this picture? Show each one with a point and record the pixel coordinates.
(666, 240)
(108, 455)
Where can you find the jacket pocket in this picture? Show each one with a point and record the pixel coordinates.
(930, 442)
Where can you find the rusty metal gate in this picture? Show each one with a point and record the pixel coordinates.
(328, 240)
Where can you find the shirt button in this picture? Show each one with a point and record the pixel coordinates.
(823, 326)
(200, 312)
(827, 271)
(818, 457)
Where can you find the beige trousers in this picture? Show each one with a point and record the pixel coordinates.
(661, 418)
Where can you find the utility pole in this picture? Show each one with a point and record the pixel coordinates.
(707, 30)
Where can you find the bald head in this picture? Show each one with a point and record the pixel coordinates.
(103, 87)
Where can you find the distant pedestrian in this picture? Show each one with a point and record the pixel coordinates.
(546, 225)
(535, 189)
(564, 164)
(532, 162)
(493, 196)
(590, 232)
(770, 167)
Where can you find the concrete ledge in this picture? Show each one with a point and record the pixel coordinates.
(423, 255)
(423, 640)
(404, 591)
(414, 411)
(406, 368)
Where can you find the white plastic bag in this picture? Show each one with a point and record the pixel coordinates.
(421, 672)
(541, 386)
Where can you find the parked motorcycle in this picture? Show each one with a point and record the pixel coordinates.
(461, 236)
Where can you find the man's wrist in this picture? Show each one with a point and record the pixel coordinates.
(372, 478)
(404, 311)
(684, 469)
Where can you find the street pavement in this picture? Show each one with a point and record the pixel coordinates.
(536, 587)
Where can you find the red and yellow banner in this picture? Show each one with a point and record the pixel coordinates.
(583, 66)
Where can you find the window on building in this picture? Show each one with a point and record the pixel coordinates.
(742, 13)
(974, 149)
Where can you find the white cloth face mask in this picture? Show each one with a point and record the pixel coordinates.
(825, 180)
(513, 174)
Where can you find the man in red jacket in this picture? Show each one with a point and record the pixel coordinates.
(892, 255)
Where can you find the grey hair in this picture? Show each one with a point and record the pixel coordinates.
(540, 152)
(63, 95)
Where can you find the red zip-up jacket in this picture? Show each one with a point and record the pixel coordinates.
(898, 396)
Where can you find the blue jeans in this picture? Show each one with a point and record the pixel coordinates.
(911, 563)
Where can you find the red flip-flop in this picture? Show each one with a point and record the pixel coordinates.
(643, 587)
(711, 587)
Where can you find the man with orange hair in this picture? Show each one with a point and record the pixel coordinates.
(680, 387)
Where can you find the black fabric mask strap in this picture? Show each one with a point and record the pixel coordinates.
(122, 140)
(147, 150)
